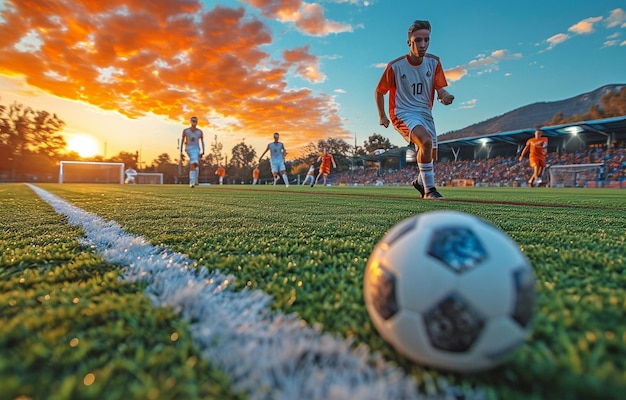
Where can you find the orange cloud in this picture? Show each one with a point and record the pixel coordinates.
(584, 26)
(307, 17)
(305, 64)
(456, 73)
(170, 58)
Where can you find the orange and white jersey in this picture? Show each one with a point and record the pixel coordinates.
(411, 87)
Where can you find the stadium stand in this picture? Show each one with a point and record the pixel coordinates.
(491, 160)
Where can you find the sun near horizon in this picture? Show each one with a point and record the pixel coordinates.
(84, 145)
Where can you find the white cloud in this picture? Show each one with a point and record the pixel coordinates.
(616, 18)
(556, 39)
(468, 104)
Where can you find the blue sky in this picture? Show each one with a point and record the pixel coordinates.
(130, 76)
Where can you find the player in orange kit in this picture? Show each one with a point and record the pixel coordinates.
(256, 172)
(221, 172)
(538, 147)
(326, 159)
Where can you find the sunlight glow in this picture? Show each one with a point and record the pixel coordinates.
(84, 145)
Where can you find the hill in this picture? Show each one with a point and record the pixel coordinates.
(533, 114)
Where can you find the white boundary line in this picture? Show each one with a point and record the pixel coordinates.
(267, 354)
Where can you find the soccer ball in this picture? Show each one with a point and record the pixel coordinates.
(449, 290)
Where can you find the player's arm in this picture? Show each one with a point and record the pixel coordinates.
(521, 157)
(202, 144)
(380, 105)
(266, 150)
(284, 151)
(333, 160)
(182, 142)
(444, 97)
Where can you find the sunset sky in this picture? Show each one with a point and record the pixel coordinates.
(129, 74)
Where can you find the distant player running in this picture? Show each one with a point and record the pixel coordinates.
(310, 176)
(192, 137)
(221, 173)
(538, 147)
(326, 159)
(277, 159)
(256, 173)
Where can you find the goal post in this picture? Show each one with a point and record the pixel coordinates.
(574, 175)
(149, 178)
(91, 172)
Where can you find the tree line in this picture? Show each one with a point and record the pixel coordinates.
(612, 104)
(32, 146)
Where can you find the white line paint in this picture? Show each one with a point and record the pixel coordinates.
(267, 354)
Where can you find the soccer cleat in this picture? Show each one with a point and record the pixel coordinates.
(191, 185)
(419, 187)
(433, 194)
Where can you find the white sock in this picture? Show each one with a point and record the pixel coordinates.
(192, 177)
(427, 174)
(419, 176)
(285, 179)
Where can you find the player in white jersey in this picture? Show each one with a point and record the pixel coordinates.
(277, 159)
(411, 81)
(310, 176)
(193, 141)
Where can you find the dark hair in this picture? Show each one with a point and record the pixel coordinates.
(417, 25)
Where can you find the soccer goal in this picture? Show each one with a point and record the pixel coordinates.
(149, 178)
(91, 172)
(574, 175)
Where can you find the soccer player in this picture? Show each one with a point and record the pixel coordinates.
(310, 176)
(256, 173)
(221, 172)
(192, 138)
(326, 159)
(538, 147)
(411, 81)
(277, 159)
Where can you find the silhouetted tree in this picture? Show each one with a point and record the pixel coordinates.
(30, 143)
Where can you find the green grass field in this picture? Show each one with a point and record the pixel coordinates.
(70, 328)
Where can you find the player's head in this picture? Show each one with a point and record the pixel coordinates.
(418, 37)
(418, 25)
(194, 120)
(276, 135)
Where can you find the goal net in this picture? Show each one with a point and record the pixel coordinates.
(149, 178)
(91, 172)
(574, 175)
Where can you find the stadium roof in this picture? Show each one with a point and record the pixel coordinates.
(570, 136)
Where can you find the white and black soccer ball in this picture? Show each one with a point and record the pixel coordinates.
(450, 290)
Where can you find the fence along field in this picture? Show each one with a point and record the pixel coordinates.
(308, 252)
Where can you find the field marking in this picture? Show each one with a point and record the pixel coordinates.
(267, 354)
(415, 198)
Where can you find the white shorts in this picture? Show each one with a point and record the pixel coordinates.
(194, 155)
(411, 120)
(277, 166)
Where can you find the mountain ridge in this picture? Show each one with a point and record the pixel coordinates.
(534, 114)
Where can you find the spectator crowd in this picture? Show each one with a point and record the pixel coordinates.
(505, 171)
